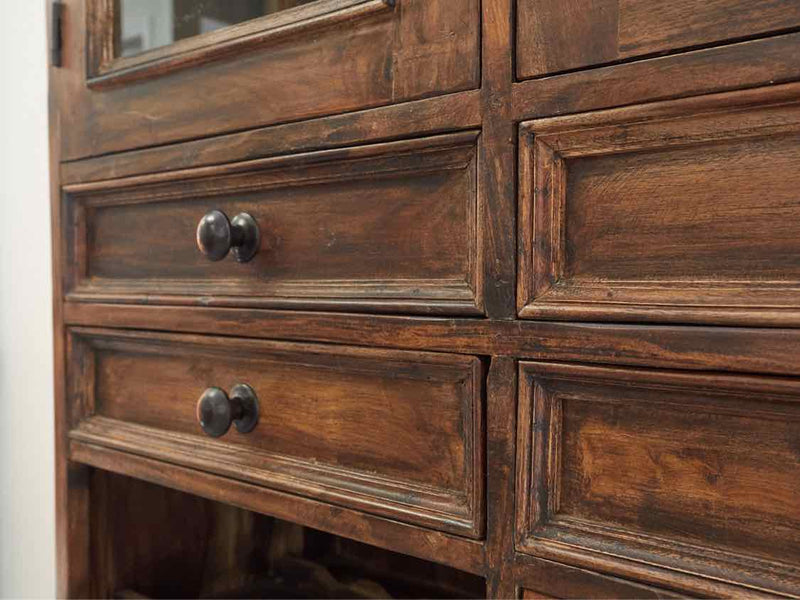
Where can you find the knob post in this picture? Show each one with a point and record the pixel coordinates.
(216, 410)
(216, 236)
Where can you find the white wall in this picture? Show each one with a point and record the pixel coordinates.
(27, 524)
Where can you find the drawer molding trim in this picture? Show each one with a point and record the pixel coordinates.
(440, 484)
(544, 529)
(443, 167)
(550, 148)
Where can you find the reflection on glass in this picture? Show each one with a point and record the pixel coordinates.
(146, 24)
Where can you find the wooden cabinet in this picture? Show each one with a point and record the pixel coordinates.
(427, 298)
(554, 37)
(394, 433)
(696, 472)
(679, 211)
(327, 57)
(408, 209)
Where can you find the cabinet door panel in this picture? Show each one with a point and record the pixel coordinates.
(320, 58)
(681, 211)
(698, 473)
(387, 227)
(563, 35)
(397, 434)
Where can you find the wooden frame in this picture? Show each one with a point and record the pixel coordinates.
(548, 291)
(105, 69)
(99, 144)
(456, 511)
(452, 155)
(542, 528)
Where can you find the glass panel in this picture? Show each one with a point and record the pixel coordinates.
(146, 24)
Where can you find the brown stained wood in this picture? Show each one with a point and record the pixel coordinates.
(395, 127)
(365, 61)
(393, 433)
(407, 210)
(427, 544)
(501, 391)
(680, 212)
(775, 351)
(150, 260)
(152, 541)
(697, 473)
(107, 69)
(562, 581)
(563, 35)
(451, 112)
(743, 65)
(74, 569)
(497, 158)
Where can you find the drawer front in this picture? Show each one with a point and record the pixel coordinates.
(562, 35)
(321, 58)
(388, 227)
(694, 472)
(398, 434)
(681, 211)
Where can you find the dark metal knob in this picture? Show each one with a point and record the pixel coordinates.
(216, 236)
(216, 411)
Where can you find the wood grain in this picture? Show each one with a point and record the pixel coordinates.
(555, 36)
(562, 581)
(428, 544)
(408, 210)
(393, 433)
(740, 349)
(664, 212)
(364, 61)
(659, 467)
(106, 68)
(739, 66)
(451, 112)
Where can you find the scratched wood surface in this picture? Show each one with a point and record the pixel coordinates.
(525, 317)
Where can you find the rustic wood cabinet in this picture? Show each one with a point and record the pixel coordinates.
(427, 298)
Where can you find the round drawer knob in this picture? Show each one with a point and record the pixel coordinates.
(216, 411)
(216, 236)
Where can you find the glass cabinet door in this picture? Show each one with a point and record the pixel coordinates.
(142, 25)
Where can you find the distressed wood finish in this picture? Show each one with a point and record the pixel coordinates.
(373, 54)
(393, 433)
(563, 35)
(656, 213)
(695, 472)
(561, 581)
(604, 190)
(452, 112)
(407, 210)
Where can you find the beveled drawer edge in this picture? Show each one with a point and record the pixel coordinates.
(459, 552)
(459, 511)
(543, 289)
(445, 510)
(582, 542)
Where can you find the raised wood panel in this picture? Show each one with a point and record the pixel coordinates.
(387, 227)
(540, 578)
(697, 473)
(351, 54)
(679, 211)
(393, 433)
(563, 35)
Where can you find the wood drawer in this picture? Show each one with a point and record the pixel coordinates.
(694, 472)
(681, 211)
(564, 35)
(397, 434)
(386, 227)
(328, 57)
